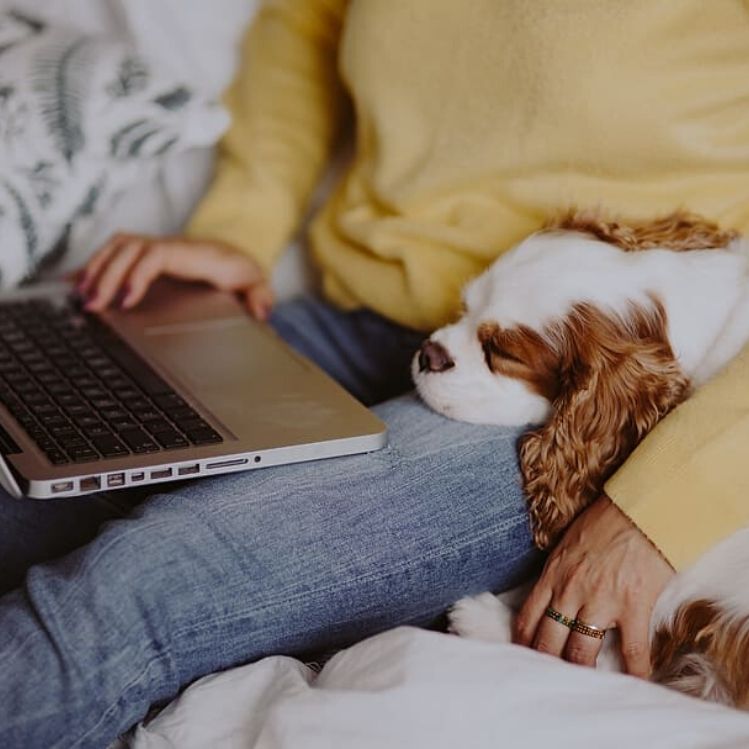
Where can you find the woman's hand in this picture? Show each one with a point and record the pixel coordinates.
(603, 572)
(128, 264)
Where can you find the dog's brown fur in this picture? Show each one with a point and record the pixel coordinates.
(521, 353)
(704, 652)
(610, 381)
(679, 230)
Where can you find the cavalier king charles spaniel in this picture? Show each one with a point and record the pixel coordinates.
(592, 330)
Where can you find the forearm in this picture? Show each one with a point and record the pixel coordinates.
(287, 106)
(687, 484)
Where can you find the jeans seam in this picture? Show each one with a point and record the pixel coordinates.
(372, 577)
(107, 713)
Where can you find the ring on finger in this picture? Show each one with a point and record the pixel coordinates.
(589, 630)
(558, 616)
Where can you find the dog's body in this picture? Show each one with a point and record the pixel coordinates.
(595, 330)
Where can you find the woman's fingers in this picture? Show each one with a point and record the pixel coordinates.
(259, 300)
(98, 262)
(635, 647)
(551, 635)
(530, 614)
(581, 648)
(172, 258)
(153, 263)
(131, 264)
(113, 276)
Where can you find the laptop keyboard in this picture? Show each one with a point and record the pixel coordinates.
(82, 393)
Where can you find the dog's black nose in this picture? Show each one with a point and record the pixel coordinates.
(433, 357)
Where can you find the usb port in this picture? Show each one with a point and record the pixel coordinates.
(137, 476)
(90, 484)
(162, 473)
(188, 470)
(116, 479)
(62, 486)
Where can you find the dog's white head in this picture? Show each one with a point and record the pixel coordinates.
(535, 317)
(500, 363)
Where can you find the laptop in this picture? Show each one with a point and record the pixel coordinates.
(184, 386)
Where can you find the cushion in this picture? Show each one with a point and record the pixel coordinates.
(82, 116)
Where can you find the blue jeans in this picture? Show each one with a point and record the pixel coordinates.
(114, 602)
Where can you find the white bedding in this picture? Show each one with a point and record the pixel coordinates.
(410, 688)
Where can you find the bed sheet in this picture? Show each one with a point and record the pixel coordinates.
(410, 688)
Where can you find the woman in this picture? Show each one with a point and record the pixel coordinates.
(473, 123)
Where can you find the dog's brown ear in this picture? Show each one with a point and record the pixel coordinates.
(680, 231)
(618, 379)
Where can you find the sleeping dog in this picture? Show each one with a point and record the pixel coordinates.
(593, 330)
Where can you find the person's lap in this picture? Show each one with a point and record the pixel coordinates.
(212, 573)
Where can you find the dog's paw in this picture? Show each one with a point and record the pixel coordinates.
(482, 617)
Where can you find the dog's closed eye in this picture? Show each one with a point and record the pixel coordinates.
(498, 344)
(492, 352)
(521, 353)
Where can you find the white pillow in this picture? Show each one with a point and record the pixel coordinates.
(196, 37)
(81, 117)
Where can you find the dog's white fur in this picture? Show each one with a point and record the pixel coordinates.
(705, 294)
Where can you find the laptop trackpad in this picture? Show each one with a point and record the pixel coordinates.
(245, 376)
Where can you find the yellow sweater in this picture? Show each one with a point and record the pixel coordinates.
(474, 122)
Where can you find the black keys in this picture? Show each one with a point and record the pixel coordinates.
(171, 439)
(156, 426)
(81, 393)
(60, 431)
(139, 441)
(139, 371)
(82, 454)
(87, 421)
(203, 436)
(109, 446)
(169, 402)
(191, 424)
(56, 456)
(123, 425)
(96, 430)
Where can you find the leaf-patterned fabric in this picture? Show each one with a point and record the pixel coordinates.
(82, 117)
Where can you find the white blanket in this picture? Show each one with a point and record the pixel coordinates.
(410, 688)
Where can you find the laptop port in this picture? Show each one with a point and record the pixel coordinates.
(228, 463)
(116, 479)
(162, 473)
(62, 486)
(90, 484)
(188, 470)
(137, 476)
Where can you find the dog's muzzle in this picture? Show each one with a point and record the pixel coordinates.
(433, 357)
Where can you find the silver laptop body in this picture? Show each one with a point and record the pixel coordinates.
(269, 405)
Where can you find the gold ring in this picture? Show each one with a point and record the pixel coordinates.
(589, 630)
(558, 616)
